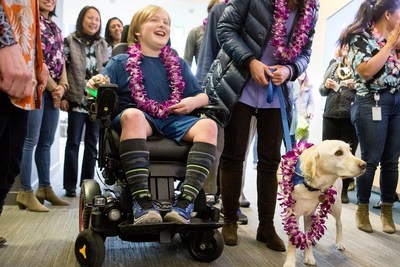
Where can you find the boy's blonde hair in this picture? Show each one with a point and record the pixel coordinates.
(140, 17)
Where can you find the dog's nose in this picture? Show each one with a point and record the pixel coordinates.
(362, 165)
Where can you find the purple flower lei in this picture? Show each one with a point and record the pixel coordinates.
(287, 54)
(139, 94)
(298, 238)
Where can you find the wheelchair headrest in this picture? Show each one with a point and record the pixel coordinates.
(120, 48)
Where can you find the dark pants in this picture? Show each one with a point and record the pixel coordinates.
(13, 125)
(76, 123)
(270, 132)
(341, 129)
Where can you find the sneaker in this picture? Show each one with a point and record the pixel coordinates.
(144, 212)
(181, 211)
(242, 218)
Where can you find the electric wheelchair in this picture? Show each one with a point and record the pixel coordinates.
(107, 212)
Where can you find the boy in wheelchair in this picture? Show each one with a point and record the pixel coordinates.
(157, 92)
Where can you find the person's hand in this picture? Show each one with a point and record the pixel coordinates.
(393, 38)
(185, 106)
(96, 80)
(281, 74)
(260, 72)
(64, 105)
(331, 84)
(15, 76)
(57, 94)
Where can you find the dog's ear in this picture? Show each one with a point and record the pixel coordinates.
(309, 162)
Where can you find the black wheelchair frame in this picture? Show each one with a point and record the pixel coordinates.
(108, 212)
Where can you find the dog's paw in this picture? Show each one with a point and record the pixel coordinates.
(340, 246)
(309, 260)
(289, 264)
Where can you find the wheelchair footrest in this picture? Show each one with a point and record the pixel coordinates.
(157, 232)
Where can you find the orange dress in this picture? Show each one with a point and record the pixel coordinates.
(23, 17)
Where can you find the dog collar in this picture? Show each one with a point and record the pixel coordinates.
(298, 178)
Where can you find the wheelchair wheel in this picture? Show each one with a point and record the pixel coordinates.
(89, 249)
(89, 189)
(205, 249)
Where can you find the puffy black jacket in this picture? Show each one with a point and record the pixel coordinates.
(244, 31)
(338, 103)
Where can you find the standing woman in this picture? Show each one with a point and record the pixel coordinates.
(374, 40)
(259, 36)
(305, 101)
(85, 51)
(338, 87)
(42, 123)
(113, 32)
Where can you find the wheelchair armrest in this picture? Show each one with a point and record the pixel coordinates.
(207, 108)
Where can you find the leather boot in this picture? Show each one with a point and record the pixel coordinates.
(2, 240)
(388, 225)
(362, 218)
(47, 193)
(229, 233)
(267, 187)
(27, 200)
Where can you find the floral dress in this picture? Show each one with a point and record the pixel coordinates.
(362, 48)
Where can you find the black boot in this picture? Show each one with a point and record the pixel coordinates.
(267, 187)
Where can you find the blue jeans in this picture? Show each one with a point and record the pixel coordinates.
(42, 126)
(76, 122)
(12, 134)
(379, 143)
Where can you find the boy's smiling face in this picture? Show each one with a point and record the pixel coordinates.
(155, 32)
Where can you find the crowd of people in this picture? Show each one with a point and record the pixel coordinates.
(264, 78)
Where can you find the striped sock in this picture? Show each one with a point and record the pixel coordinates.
(134, 154)
(200, 159)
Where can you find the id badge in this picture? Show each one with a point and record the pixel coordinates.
(376, 114)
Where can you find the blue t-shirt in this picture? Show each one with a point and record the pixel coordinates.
(155, 79)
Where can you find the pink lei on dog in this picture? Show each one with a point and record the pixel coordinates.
(298, 238)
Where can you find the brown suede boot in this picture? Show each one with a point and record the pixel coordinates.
(229, 233)
(267, 187)
(27, 200)
(362, 218)
(388, 225)
(47, 193)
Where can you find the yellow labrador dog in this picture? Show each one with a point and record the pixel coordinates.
(321, 165)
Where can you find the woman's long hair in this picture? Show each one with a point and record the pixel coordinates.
(107, 35)
(79, 22)
(370, 11)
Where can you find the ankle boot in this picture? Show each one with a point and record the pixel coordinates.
(47, 193)
(362, 218)
(268, 235)
(27, 200)
(229, 233)
(388, 225)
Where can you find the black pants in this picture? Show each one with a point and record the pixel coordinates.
(270, 132)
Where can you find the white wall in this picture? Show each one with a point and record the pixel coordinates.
(185, 15)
